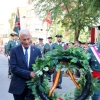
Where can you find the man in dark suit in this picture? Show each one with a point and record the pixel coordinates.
(21, 60)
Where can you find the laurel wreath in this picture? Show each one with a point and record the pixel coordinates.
(73, 59)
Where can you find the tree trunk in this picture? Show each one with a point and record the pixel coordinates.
(76, 34)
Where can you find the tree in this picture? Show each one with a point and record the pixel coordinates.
(75, 15)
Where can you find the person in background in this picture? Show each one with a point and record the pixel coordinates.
(48, 47)
(16, 40)
(33, 44)
(77, 44)
(85, 46)
(40, 45)
(94, 51)
(70, 44)
(21, 59)
(65, 46)
(56, 46)
(10, 45)
(90, 44)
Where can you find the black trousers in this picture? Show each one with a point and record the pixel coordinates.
(26, 95)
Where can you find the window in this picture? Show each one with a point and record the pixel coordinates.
(4, 35)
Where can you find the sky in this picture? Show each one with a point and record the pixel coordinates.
(7, 6)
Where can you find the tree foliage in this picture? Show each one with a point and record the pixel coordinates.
(75, 15)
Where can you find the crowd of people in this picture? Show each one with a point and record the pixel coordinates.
(22, 53)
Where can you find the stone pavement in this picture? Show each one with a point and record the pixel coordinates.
(4, 81)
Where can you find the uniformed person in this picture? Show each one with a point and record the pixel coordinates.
(48, 47)
(94, 52)
(16, 40)
(58, 45)
(11, 43)
(40, 45)
(59, 42)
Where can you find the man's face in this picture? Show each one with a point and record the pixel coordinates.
(50, 40)
(12, 37)
(76, 44)
(25, 39)
(40, 41)
(15, 38)
(59, 39)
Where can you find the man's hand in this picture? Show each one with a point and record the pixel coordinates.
(32, 74)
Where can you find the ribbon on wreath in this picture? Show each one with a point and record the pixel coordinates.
(55, 83)
(60, 99)
(73, 79)
(56, 80)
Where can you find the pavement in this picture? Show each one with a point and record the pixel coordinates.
(4, 80)
(67, 84)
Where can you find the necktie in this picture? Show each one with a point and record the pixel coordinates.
(26, 55)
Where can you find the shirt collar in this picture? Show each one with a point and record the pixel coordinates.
(24, 48)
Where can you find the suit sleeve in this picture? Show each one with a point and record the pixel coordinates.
(16, 69)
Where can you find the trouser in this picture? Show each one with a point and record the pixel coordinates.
(77, 73)
(9, 68)
(60, 79)
(96, 95)
(48, 76)
(26, 95)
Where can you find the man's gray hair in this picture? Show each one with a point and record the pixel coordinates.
(24, 31)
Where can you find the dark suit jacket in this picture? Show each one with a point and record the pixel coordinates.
(21, 73)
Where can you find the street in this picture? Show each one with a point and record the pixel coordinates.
(67, 84)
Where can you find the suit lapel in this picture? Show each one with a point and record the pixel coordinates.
(22, 54)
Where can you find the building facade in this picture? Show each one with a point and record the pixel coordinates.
(37, 28)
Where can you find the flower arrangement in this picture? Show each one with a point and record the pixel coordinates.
(70, 60)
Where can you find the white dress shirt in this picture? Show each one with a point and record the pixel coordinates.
(28, 50)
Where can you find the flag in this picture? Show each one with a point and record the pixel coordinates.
(17, 22)
(48, 19)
